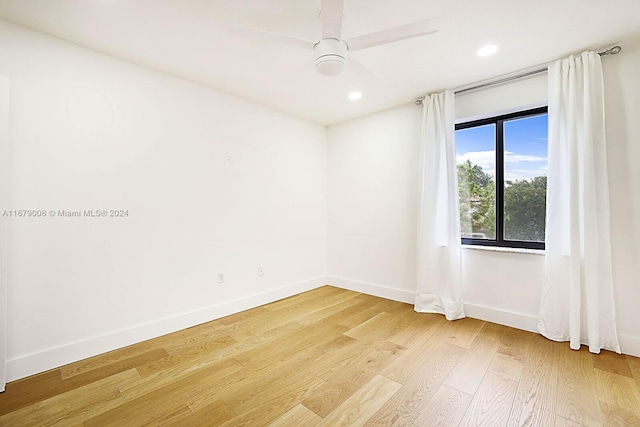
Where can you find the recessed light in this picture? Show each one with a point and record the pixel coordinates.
(354, 95)
(487, 50)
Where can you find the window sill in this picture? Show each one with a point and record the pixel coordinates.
(501, 249)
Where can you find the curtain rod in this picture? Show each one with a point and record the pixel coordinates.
(541, 69)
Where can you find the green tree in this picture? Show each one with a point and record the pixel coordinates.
(525, 209)
(477, 201)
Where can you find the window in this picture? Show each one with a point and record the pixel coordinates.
(502, 179)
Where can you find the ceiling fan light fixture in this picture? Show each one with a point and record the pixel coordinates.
(331, 66)
(331, 57)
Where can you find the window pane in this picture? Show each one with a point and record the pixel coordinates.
(476, 158)
(525, 178)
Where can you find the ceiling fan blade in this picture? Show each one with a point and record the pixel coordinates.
(269, 36)
(332, 19)
(395, 34)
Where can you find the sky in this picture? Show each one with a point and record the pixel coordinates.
(525, 145)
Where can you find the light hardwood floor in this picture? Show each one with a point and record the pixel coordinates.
(331, 357)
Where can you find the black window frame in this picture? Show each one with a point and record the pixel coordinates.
(498, 121)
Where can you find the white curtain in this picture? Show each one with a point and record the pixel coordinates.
(577, 302)
(439, 272)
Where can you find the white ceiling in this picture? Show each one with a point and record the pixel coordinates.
(188, 38)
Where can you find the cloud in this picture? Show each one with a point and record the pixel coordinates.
(485, 159)
(518, 174)
(511, 157)
(529, 166)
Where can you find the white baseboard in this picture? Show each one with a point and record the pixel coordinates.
(31, 364)
(507, 318)
(514, 320)
(372, 289)
(629, 345)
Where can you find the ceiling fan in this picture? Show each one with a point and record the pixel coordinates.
(331, 51)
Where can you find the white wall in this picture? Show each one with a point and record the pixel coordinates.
(4, 180)
(372, 205)
(622, 104)
(212, 184)
(372, 199)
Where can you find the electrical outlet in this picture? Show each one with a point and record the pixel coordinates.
(260, 271)
(220, 277)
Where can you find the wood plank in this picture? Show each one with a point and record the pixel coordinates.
(111, 358)
(415, 359)
(322, 314)
(105, 371)
(238, 318)
(250, 388)
(615, 416)
(577, 390)
(563, 422)
(447, 408)
(196, 335)
(419, 387)
(317, 295)
(261, 324)
(467, 375)
(74, 406)
(298, 416)
(187, 355)
(492, 331)
(192, 359)
(292, 309)
(167, 401)
(612, 362)
(221, 370)
(492, 403)
(402, 317)
(265, 408)
(218, 384)
(411, 335)
(507, 366)
(254, 389)
(159, 407)
(40, 387)
(319, 334)
(515, 343)
(634, 365)
(353, 316)
(213, 414)
(347, 381)
(263, 397)
(358, 408)
(370, 327)
(266, 354)
(465, 332)
(535, 402)
(617, 390)
(27, 391)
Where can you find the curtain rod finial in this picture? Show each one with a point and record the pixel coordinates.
(611, 51)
